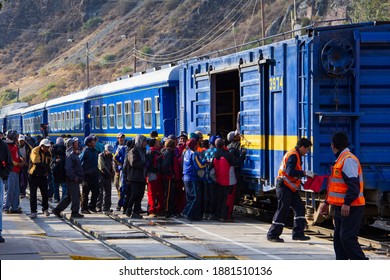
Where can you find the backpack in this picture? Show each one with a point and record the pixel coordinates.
(58, 170)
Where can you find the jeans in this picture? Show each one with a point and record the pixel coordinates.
(57, 190)
(13, 192)
(1, 204)
(193, 208)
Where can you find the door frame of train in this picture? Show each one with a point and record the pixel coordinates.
(235, 100)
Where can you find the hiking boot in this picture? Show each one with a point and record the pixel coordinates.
(46, 212)
(56, 212)
(275, 239)
(212, 217)
(301, 238)
(33, 215)
(17, 211)
(76, 215)
(135, 216)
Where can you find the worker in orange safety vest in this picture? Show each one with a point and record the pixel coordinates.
(345, 194)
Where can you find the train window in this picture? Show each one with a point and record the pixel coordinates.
(97, 117)
(148, 113)
(119, 115)
(92, 117)
(54, 123)
(63, 120)
(104, 116)
(72, 126)
(137, 113)
(111, 114)
(128, 120)
(81, 117)
(77, 115)
(157, 111)
(59, 123)
(67, 123)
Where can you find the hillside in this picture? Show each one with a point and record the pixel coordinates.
(43, 47)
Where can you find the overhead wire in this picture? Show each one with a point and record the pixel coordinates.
(250, 23)
(168, 57)
(205, 37)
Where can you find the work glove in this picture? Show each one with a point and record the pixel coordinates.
(309, 173)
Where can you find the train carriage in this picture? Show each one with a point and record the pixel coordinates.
(34, 119)
(331, 79)
(66, 115)
(14, 120)
(136, 105)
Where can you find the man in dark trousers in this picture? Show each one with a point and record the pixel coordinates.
(136, 176)
(288, 183)
(89, 162)
(38, 171)
(74, 175)
(6, 166)
(345, 194)
(106, 170)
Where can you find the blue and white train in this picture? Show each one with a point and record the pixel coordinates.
(333, 78)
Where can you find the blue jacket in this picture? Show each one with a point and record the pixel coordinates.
(191, 164)
(89, 162)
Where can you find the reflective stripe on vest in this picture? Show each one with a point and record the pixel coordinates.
(337, 187)
(293, 183)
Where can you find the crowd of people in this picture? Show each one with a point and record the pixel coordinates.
(185, 175)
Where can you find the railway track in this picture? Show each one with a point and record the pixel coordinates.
(105, 235)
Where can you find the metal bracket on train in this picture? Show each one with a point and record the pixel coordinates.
(267, 61)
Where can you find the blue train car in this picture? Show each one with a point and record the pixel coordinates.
(34, 117)
(332, 79)
(136, 105)
(14, 120)
(67, 115)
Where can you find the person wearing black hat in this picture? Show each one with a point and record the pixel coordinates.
(74, 175)
(89, 162)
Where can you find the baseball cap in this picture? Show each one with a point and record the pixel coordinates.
(22, 138)
(44, 142)
(183, 134)
(109, 148)
(120, 134)
(231, 135)
(88, 139)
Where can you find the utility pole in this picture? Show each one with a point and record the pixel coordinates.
(17, 96)
(87, 49)
(262, 20)
(135, 58)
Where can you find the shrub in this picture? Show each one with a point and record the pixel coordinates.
(92, 23)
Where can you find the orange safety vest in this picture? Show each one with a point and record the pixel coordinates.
(337, 188)
(293, 183)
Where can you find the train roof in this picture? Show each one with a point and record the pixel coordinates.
(33, 108)
(14, 112)
(163, 76)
